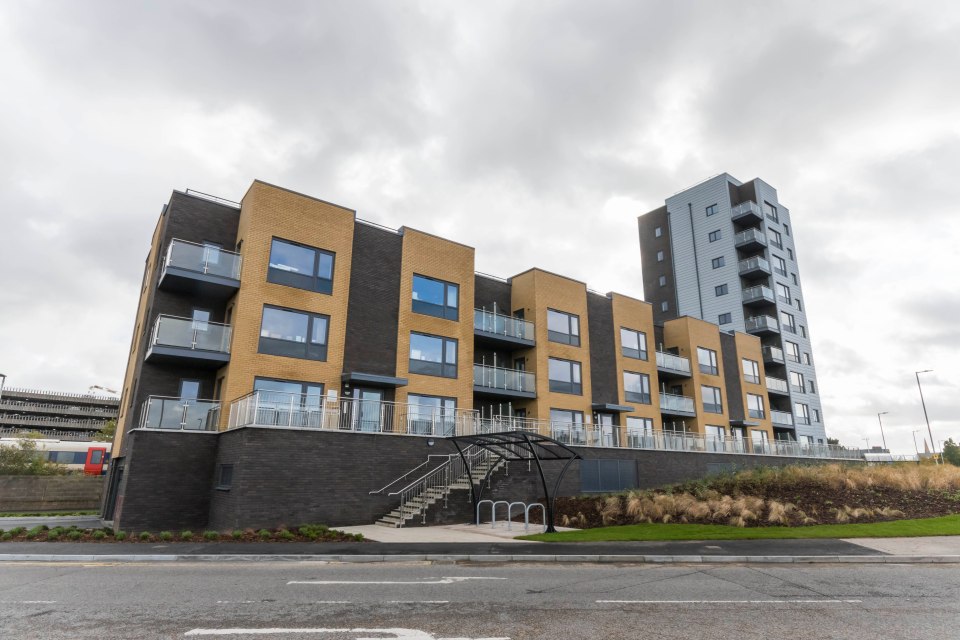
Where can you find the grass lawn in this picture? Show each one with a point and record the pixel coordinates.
(942, 526)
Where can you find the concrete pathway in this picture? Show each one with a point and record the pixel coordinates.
(923, 546)
(447, 533)
(81, 522)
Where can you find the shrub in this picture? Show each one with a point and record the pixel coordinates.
(120, 536)
(55, 533)
(99, 534)
(358, 537)
(211, 535)
(6, 536)
(75, 535)
(166, 536)
(286, 535)
(186, 535)
(145, 536)
(236, 534)
(34, 532)
(264, 534)
(16, 531)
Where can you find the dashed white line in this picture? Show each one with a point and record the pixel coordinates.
(397, 634)
(729, 601)
(28, 601)
(450, 580)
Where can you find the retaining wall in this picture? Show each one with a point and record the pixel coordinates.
(26, 494)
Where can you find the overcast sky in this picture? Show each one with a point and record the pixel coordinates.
(533, 131)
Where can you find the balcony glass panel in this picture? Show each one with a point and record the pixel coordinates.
(208, 259)
(673, 362)
(180, 413)
(186, 333)
(500, 378)
(776, 384)
(496, 323)
(671, 402)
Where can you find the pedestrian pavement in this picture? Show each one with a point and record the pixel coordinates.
(920, 546)
(80, 522)
(501, 532)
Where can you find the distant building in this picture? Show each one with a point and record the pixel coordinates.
(55, 414)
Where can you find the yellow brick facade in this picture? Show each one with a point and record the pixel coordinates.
(687, 334)
(636, 315)
(750, 347)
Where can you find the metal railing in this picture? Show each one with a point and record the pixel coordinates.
(745, 208)
(41, 421)
(182, 414)
(672, 362)
(750, 235)
(753, 264)
(500, 378)
(760, 292)
(761, 323)
(47, 407)
(670, 402)
(203, 258)
(776, 384)
(186, 333)
(781, 417)
(56, 434)
(54, 395)
(499, 324)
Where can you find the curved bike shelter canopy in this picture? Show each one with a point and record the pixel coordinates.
(516, 446)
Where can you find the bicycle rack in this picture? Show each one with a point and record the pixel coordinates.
(510, 505)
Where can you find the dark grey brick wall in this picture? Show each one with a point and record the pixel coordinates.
(167, 481)
(731, 376)
(374, 306)
(487, 291)
(603, 347)
(652, 270)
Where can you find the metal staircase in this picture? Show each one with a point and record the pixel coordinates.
(435, 485)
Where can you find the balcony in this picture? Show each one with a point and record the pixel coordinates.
(758, 296)
(677, 405)
(781, 418)
(180, 414)
(777, 385)
(759, 325)
(754, 267)
(182, 340)
(750, 240)
(773, 355)
(497, 381)
(671, 365)
(201, 270)
(746, 212)
(500, 330)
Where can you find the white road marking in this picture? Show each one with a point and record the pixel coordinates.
(729, 601)
(418, 602)
(427, 581)
(28, 601)
(394, 634)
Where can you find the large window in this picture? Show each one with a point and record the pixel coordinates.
(633, 344)
(288, 403)
(296, 265)
(565, 376)
(712, 400)
(803, 413)
(435, 297)
(285, 389)
(793, 350)
(779, 265)
(771, 211)
(796, 381)
(783, 292)
(294, 334)
(431, 415)
(636, 387)
(775, 238)
(751, 371)
(639, 432)
(755, 406)
(567, 426)
(433, 355)
(563, 327)
(708, 361)
(788, 322)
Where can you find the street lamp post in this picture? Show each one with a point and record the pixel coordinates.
(924, 405)
(915, 448)
(882, 413)
(3, 380)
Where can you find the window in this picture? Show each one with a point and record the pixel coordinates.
(433, 355)
(565, 376)
(281, 391)
(659, 256)
(633, 344)
(721, 290)
(786, 228)
(663, 281)
(790, 254)
(664, 306)
(708, 360)
(807, 359)
(300, 266)
(796, 381)
(786, 319)
(189, 389)
(567, 426)
(714, 432)
(294, 334)
(779, 266)
(783, 292)
(816, 418)
(712, 209)
(803, 331)
(793, 351)
(431, 415)
(713, 236)
(435, 297)
(717, 262)
(793, 277)
(563, 327)
(771, 211)
(724, 318)
(775, 238)
(636, 387)
(658, 232)
(811, 387)
(639, 432)
(712, 400)
(225, 477)
(803, 413)
(799, 304)
(755, 407)
(751, 371)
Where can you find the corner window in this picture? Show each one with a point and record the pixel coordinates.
(712, 400)
(717, 262)
(435, 297)
(751, 371)
(786, 229)
(725, 318)
(294, 334)
(790, 253)
(713, 236)
(563, 327)
(807, 359)
(636, 387)
(633, 344)
(712, 209)
(721, 290)
(803, 331)
(300, 266)
(771, 211)
(816, 418)
(755, 407)
(433, 355)
(708, 361)
(565, 376)
(811, 387)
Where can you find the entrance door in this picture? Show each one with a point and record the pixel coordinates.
(367, 409)
(608, 435)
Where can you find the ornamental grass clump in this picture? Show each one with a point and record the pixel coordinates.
(166, 536)
(211, 535)
(186, 535)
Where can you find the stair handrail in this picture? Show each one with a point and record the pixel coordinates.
(408, 474)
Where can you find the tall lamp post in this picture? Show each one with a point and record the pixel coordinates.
(915, 448)
(924, 405)
(882, 413)
(3, 380)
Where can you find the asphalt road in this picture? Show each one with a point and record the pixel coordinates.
(311, 601)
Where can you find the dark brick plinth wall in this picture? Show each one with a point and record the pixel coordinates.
(49, 493)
